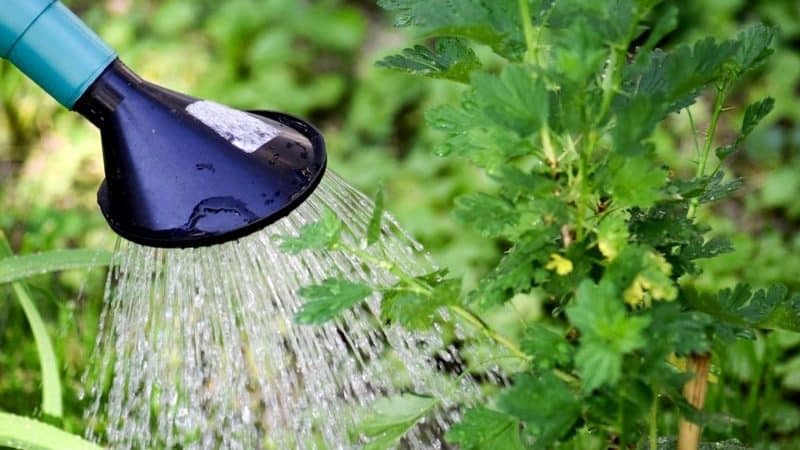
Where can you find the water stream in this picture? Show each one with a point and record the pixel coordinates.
(198, 348)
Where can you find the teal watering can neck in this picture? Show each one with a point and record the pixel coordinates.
(53, 47)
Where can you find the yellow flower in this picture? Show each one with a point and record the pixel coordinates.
(559, 264)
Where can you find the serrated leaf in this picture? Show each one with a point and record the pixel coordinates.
(329, 299)
(716, 189)
(494, 23)
(548, 348)
(674, 329)
(666, 228)
(754, 46)
(374, 228)
(675, 78)
(608, 332)
(486, 429)
(416, 310)
(515, 272)
(515, 99)
(475, 208)
(753, 115)
(545, 403)
(771, 308)
(390, 418)
(320, 235)
(636, 181)
(450, 58)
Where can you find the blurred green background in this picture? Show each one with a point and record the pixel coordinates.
(316, 59)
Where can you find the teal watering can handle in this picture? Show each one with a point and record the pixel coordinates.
(53, 47)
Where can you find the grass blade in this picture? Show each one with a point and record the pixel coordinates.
(15, 268)
(27, 434)
(51, 380)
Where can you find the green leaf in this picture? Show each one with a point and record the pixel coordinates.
(323, 234)
(717, 190)
(515, 273)
(608, 332)
(666, 228)
(494, 23)
(15, 268)
(417, 310)
(484, 146)
(475, 208)
(374, 228)
(451, 58)
(52, 403)
(389, 419)
(753, 115)
(516, 99)
(671, 80)
(548, 348)
(636, 181)
(486, 429)
(545, 403)
(754, 44)
(771, 308)
(28, 434)
(329, 299)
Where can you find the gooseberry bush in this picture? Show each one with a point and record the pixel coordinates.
(560, 110)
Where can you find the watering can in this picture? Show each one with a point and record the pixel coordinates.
(180, 171)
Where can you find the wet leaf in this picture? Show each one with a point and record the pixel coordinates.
(323, 234)
(374, 228)
(390, 418)
(486, 429)
(450, 58)
(329, 299)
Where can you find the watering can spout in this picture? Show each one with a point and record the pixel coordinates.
(186, 172)
(180, 171)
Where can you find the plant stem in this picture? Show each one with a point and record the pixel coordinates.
(695, 393)
(712, 130)
(653, 435)
(530, 34)
(694, 133)
(476, 321)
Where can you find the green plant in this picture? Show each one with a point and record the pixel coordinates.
(598, 232)
(20, 432)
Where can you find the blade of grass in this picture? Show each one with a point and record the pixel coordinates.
(15, 268)
(28, 434)
(51, 380)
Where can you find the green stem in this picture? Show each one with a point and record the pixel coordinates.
(476, 321)
(694, 133)
(712, 130)
(530, 33)
(653, 435)
(584, 158)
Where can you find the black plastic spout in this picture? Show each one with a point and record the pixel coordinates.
(184, 172)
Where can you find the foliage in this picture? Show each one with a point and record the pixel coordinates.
(315, 59)
(594, 222)
(27, 434)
